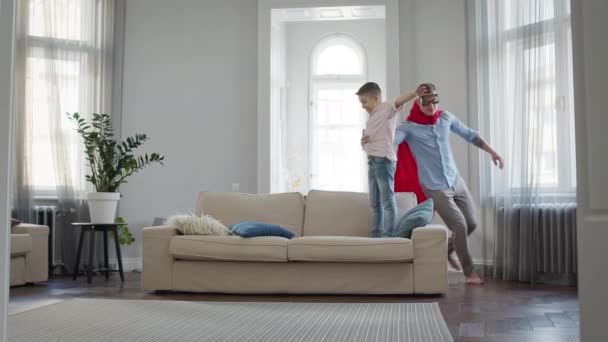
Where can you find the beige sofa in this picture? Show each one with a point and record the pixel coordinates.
(29, 254)
(330, 255)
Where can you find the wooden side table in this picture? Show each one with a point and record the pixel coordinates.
(91, 228)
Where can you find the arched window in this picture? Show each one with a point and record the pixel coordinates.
(338, 69)
(338, 55)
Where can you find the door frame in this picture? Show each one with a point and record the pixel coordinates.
(265, 7)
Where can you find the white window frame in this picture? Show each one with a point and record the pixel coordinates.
(64, 44)
(329, 41)
(330, 81)
(561, 17)
(564, 120)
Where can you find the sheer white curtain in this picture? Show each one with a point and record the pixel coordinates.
(63, 65)
(524, 97)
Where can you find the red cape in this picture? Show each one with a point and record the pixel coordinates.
(406, 174)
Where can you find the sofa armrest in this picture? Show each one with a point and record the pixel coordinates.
(36, 261)
(21, 244)
(430, 259)
(32, 229)
(157, 264)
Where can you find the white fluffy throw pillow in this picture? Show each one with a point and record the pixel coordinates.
(194, 225)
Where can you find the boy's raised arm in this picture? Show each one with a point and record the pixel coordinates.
(408, 96)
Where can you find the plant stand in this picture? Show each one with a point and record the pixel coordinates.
(91, 228)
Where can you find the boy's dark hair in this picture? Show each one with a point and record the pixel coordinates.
(370, 88)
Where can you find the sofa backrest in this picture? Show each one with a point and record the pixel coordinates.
(285, 209)
(345, 213)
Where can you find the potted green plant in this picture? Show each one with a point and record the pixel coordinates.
(111, 163)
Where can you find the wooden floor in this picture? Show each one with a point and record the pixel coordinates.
(497, 311)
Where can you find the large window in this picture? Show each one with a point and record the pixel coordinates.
(64, 66)
(530, 91)
(338, 68)
(539, 44)
(38, 91)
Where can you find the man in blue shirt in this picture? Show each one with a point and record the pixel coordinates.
(428, 138)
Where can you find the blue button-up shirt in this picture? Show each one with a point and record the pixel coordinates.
(430, 147)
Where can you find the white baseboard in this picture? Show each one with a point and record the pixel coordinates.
(457, 276)
(128, 264)
(452, 272)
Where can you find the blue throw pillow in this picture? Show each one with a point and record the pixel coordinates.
(252, 229)
(418, 216)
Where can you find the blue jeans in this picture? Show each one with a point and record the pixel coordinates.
(381, 176)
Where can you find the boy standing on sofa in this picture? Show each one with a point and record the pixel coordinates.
(377, 143)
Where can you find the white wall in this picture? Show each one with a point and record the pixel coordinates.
(301, 37)
(6, 69)
(590, 53)
(433, 48)
(190, 84)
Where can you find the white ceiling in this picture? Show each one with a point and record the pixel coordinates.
(329, 13)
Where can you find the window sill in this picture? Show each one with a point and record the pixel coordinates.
(45, 197)
(539, 198)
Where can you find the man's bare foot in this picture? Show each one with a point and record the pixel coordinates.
(453, 263)
(473, 279)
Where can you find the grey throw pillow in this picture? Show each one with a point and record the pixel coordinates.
(419, 216)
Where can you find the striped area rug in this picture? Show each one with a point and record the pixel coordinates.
(101, 320)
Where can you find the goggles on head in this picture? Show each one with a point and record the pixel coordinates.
(428, 99)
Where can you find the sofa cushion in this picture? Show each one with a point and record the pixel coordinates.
(20, 244)
(229, 248)
(345, 213)
(420, 216)
(349, 249)
(194, 225)
(249, 229)
(285, 209)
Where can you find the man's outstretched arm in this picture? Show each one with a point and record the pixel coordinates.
(482, 144)
(473, 136)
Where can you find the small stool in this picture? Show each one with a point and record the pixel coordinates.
(92, 228)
